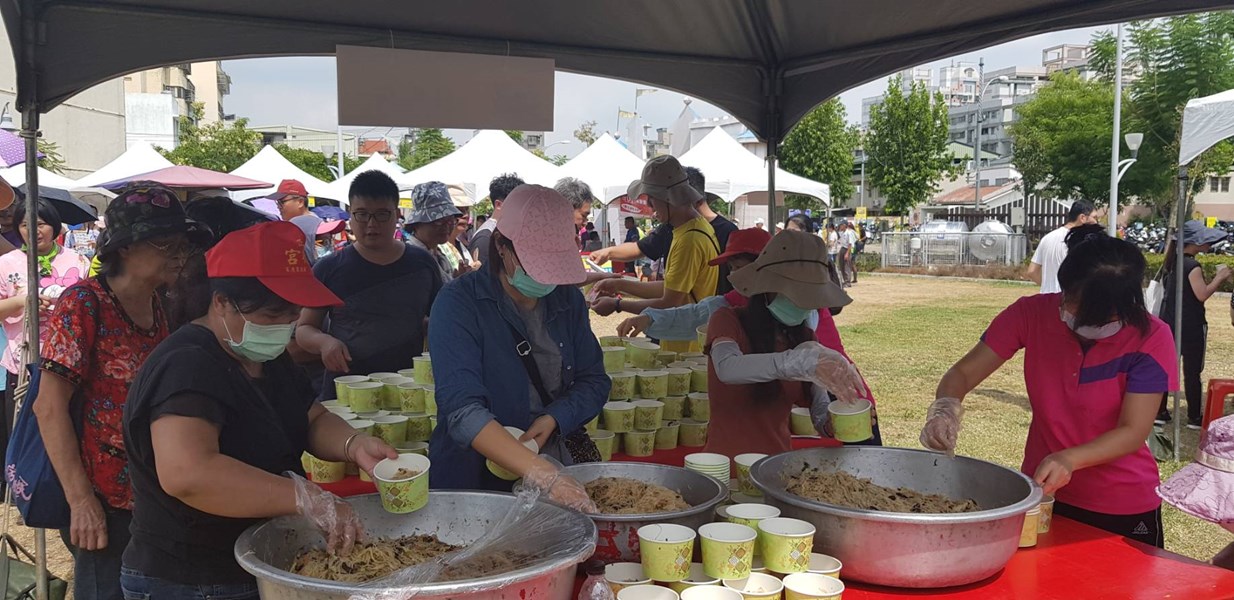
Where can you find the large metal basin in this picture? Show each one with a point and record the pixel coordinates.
(909, 550)
(618, 534)
(460, 518)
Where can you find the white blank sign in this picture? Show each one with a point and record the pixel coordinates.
(386, 87)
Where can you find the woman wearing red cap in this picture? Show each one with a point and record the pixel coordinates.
(219, 414)
(512, 346)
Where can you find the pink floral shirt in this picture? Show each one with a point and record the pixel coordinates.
(67, 268)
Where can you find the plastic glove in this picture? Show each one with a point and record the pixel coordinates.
(942, 426)
(331, 514)
(546, 477)
(824, 367)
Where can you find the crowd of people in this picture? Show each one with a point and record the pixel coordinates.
(181, 384)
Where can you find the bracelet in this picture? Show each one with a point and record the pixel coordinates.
(619, 303)
(347, 445)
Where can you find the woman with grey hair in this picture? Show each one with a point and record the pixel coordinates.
(580, 196)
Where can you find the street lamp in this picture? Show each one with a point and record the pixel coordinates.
(327, 151)
(6, 119)
(1133, 144)
(977, 137)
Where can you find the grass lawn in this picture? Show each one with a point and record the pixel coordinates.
(904, 332)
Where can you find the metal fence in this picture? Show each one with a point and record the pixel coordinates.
(916, 249)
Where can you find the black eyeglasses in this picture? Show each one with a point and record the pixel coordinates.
(381, 216)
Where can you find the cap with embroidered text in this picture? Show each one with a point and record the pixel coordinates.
(273, 253)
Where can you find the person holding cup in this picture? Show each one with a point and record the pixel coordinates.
(218, 418)
(1095, 365)
(512, 346)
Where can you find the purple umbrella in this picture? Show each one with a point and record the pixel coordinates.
(12, 149)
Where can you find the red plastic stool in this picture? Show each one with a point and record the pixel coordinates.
(1218, 390)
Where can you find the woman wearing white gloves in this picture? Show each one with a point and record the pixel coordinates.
(1095, 364)
(764, 360)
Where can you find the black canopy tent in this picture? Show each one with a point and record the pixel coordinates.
(766, 62)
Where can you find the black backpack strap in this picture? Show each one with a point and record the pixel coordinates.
(522, 347)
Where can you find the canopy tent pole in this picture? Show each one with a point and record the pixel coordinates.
(772, 149)
(1179, 220)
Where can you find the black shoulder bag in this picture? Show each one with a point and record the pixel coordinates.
(578, 443)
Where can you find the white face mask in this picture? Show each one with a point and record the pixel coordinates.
(1089, 332)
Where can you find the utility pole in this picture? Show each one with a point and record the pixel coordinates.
(977, 134)
(1112, 218)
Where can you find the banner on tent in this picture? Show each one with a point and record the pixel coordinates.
(638, 208)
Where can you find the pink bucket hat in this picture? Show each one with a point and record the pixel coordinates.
(540, 222)
(1205, 488)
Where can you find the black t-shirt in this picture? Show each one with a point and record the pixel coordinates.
(262, 422)
(1194, 316)
(479, 245)
(656, 244)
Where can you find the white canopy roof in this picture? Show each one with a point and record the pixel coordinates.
(487, 155)
(269, 165)
(140, 158)
(16, 175)
(733, 171)
(606, 166)
(337, 189)
(1206, 121)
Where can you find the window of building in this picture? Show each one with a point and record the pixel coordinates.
(1225, 184)
(1214, 184)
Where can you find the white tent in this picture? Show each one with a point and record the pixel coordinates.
(1206, 121)
(16, 175)
(337, 189)
(604, 165)
(485, 156)
(140, 158)
(269, 165)
(733, 171)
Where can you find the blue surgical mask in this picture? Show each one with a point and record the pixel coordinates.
(786, 312)
(261, 343)
(528, 286)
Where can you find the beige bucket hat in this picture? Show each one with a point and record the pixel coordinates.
(795, 264)
(665, 179)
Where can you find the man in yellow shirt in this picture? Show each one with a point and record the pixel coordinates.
(688, 276)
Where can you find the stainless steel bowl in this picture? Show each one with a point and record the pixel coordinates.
(618, 534)
(905, 549)
(460, 518)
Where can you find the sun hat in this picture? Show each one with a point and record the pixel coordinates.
(540, 222)
(743, 241)
(7, 195)
(273, 253)
(795, 264)
(289, 187)
(1194, 232)
(1205, 488)
(431, 201)
(145, 210)
(665, 179)
(328, 227)
(222, 215)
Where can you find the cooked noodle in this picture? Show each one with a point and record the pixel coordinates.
(370, 560)
(624, 496)
(842, 489)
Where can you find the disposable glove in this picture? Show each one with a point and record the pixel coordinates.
(331, 514)
(942, 426)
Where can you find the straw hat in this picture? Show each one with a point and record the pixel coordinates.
(795, 264)
(1205, 488)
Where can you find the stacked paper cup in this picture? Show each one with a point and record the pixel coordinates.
(710, 464)
(658, 400)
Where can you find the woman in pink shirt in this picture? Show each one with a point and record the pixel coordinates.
(1095, 365)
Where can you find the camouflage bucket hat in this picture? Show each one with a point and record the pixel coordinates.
(431, 201)
(147, 210)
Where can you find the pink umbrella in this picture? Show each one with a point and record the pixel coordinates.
(184, 177)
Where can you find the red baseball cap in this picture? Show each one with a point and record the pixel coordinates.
(743, 241)
(289, 187)
(272, 252)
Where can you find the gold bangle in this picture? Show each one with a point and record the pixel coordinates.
(347, 446)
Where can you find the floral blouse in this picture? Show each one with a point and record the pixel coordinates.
(67, 268)
(94, 345)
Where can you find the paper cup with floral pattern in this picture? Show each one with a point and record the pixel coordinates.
(758, 586)
(785, 544)
(700, 334)
(667, 435)
(611, 341)
(402, 483)
(698, 378)
(666, 551)
(420, 448)
(693, 433)
(365, 395)
(749, 514)
(852, 420)
(391, 429)
(391, 399)
(325, 471)
(419, 427)
(812, 586)
(500, 471)
(422, 369)
(430, 399)
(728, 549)
(614, 358)
(364, 425)
(653, 384)
(642, 354)
(605, 441)
(622, 575)
(639, 443)
(822, 564)
(698, 406)
(618, 416)
(647, 592)
(341, 389)
(674, 408)
(697, 578)
(623, 385)
(1047, 514)
(592, 425)
(678, 382)
(665, 358)
(648, 414)
(411, 397)
(744, 483)
(800, 422)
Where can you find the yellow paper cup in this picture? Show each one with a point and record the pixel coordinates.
(674, 408)
(500, 471)
(851, 420)
(622, 575)
(822, 564)
(710, 592)
(420, 448)
(667, 435)
(800, 422)
(678, 382)
(697, 578)
(422, 367)
(365, 395)
(364, 425)
(614, 358)
(812, 586)
(611, 341)
(758, 586)
(1028, 535)
(392, 429)
(433, 420)
(750, 515)
(639, 443)
(698, 378)
(329, 404)
(592, 425)
(430, 399)
(408, 373)
(623, 385)
(693, 433)
(1047, 514)
(391, 398)
(618, 417)
(306, 462)
(402, 483)
(324, 471)
(701, 335)
(381, 376)
(341, 389)
(728, 549)
(419, 427)
(665, 357)
(697, 358)
(653, 384)
(606, 443)
(785, 544)
(343, 413)
(698, 406)
(666, 550)
(411, 397)
(744, 483)
(647, 592)
(648, 414)
(642, 354)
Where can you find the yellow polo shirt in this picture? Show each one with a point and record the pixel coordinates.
(687, 271)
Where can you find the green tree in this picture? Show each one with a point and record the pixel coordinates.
(820, 147)
(515, 135)
(483, 207)
(406, 151)
(431, 144)
(1062, 139)
(315, 163)
(216, 146)
(586, 133)
(556, 159)
(907, 146)
(52, 159)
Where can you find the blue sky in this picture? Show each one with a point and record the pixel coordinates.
(258, 83)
